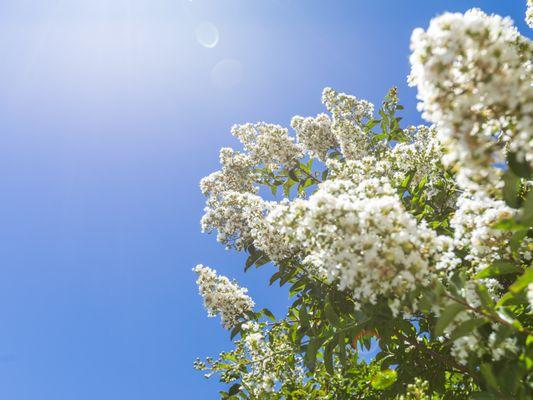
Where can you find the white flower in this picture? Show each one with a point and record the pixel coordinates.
(268, 144)
(345, 106)
(473, 231)
(315, 134)
(420, 156)
(473, 74)
(348, 113)
(232, 216)
(235, 175)
(360, 234)
(221, 296)
(464, 346)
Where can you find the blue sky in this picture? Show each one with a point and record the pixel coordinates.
(110, 113)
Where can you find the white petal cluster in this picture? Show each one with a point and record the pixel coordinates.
(348, 114)
(498, 350)
(235, 175)
(315, 135)
(232, 218)
(268, 238)
(267, 354)
(473, 232)
(268, 144)
(421, 156)
(346, 106)
(360, 234)
(221, 296)
(474, 78)
(464, 346)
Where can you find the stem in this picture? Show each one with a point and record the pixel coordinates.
(314, 178)
(485, 313)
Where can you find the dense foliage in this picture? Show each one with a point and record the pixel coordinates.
(415, 240)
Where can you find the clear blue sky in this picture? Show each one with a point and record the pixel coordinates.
(110, 113)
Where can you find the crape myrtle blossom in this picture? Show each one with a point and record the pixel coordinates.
(359, 233)
(268, 238)
(235, 175)
(474, 78)
(221, 296)
(472, 223)
(473, 343)
(315, 135)
(268, 144)
(232, 218)
(348, 114)
(267, 351)
(262, 358)
(420, 156)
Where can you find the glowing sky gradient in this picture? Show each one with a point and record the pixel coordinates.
(110, 113)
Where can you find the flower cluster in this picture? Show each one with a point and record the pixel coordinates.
(345, 106)
(232, 218)
(265, 355)
(221, 296)
(474, 344)
(419, 156)
(268, 144)
(359, 233)
(315, 135)
(231, 199)
(235, 175)
(472, 223)
(473, 74)
(348, 114)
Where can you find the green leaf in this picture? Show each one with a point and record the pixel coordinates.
(328, 357)
(484, 396)
(268, 314)
(520, 168)
(498, 268)
(235, 331)
(330, 313)
(526, 217)
(293, 176)
(274, 278)
(341, 339)
(509, 225)
(310, 354)
(234, 389)
(466, 327)
(304, 317)
(511, 189)
(524, 280)
(484, 296)
(447, 316)
(516, 240)
(384, 379)
(486, 372)
(254, 256)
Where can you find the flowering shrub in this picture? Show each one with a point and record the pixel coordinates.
(419, 239)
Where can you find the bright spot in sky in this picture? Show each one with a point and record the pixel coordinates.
(227, 73)
(207, 34)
